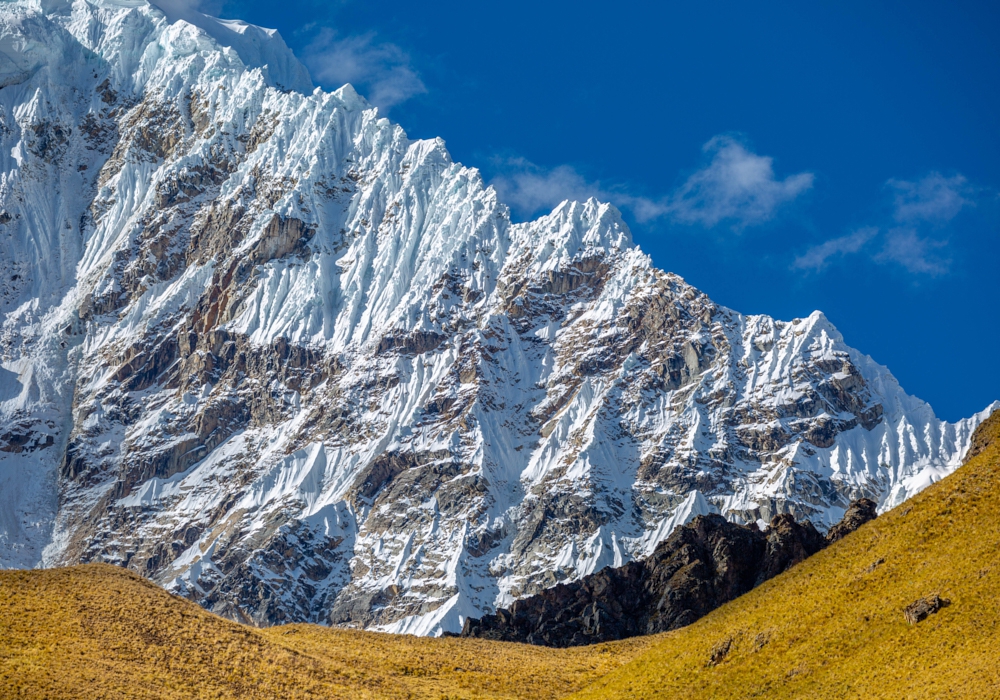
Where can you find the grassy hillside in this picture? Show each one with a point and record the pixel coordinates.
(97, 631)
(832, 627)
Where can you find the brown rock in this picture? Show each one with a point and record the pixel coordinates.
(984, 436)
(919, 609)
(720, 651)
(702, 565)
(858, 513)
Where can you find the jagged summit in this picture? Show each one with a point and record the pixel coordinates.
(263, 348)
(257, 47)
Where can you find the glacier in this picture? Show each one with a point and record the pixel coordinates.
(259, 346)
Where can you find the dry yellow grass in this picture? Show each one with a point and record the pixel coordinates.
(97, 631)
(832, 627)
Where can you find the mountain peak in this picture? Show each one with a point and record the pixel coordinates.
(257, 47)
(264, 349)
(105, 26)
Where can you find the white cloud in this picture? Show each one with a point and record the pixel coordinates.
(737, 185)
(919, 205)
(932, 198)
(529, 188)
(817, 257)
(381, 70)
(915, 253)
(903, 246)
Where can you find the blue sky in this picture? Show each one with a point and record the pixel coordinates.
(783, 157)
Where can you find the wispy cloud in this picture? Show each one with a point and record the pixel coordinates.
(735, 186)
(933, 198)
(530, 188)
(818, 257)
(917, 254)
(381, 70)
(920, 206)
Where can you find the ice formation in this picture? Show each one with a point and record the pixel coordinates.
(266, 350)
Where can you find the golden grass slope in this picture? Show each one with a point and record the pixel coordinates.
(833, 626)
(98, 631)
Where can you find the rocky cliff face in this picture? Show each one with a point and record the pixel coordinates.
(702, 565)
(263, 348)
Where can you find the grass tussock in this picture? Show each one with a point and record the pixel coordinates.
(832, 627)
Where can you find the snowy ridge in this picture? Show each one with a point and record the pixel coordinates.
(263, 348)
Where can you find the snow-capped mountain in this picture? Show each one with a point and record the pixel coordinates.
(264, 349)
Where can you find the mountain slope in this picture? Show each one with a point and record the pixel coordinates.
(830, 627)
(98, 631)
(702, 565)
(259, 346)
(833, 626)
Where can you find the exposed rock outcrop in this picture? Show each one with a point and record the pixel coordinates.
(859, 513)
(984, 435)
(702, 565)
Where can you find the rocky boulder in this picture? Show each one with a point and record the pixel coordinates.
(860, 512)
(921, 609)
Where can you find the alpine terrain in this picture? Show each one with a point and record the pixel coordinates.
(904, 607)
(263, 349)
